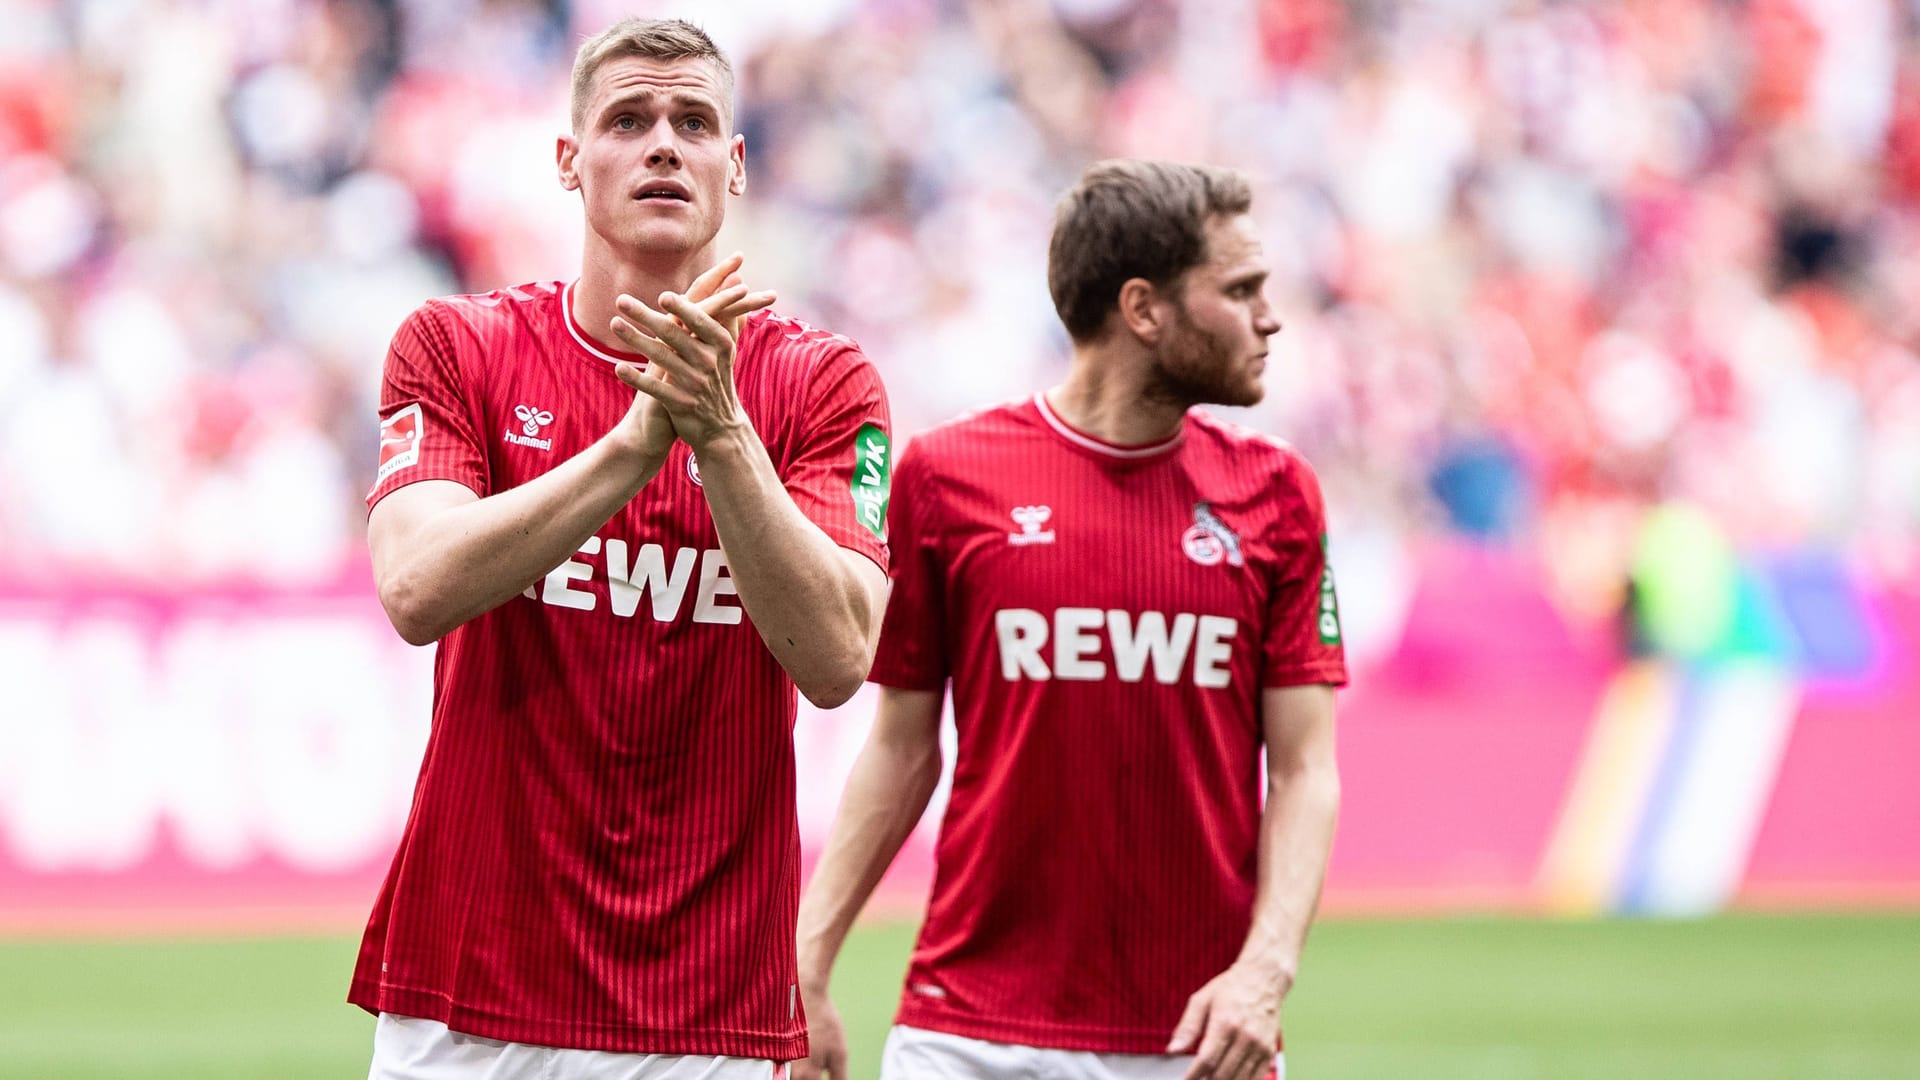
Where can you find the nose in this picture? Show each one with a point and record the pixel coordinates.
(664, 150)
(1266, 323)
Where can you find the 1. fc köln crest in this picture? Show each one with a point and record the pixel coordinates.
(1209, 541)
(399, 441)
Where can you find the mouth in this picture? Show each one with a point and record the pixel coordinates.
(670, 191)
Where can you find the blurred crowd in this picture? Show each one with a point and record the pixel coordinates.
(1544, 265)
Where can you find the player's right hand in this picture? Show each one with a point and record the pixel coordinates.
(1232, 1025)
(826, 1039)
(720, 292)
(648, 421)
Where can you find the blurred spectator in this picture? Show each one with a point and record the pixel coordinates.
(1545, 266)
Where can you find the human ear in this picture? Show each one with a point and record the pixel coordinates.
(565, 149)
(1143, 309)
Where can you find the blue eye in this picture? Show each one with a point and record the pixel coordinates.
(694, 123)
(625, 123)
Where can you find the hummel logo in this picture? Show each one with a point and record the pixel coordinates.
(1030, 518)
(534, 419)
(531, 421)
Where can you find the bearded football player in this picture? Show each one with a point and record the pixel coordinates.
(1131, 602)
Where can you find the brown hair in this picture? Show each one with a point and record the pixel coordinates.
(655, 39)
(1129, 219)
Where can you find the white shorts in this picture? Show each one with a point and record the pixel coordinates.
(408, 1048)
(918, 1054)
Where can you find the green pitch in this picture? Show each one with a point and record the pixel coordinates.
(1752, 998)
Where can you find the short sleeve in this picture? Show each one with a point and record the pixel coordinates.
(840, 476)
(1303, 642)
(911, 655)
(426, 428)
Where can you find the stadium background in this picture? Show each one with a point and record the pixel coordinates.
(1600, 328)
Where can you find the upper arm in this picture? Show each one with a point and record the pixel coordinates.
(395, 519)
(1303, 641)
(872, 583)
(912, 652)
(427, 427)
(840, 468)
(1298, 724)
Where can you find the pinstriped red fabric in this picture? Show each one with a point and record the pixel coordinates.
(602, 851)
(1107, 616)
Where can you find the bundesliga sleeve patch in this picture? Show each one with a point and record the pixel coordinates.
(872, 477)
(1329, 604)
(399, 441)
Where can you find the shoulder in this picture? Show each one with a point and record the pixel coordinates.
(973, 437)
(974, 451)
(805, 370)
(514, 301)
(788, 341)
(1244, 442)
(467, 319)
(1282, 467)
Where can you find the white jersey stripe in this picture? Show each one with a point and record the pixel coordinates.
(1090, 443)
(566, 314)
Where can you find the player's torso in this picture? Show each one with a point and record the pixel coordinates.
(1069, 573)
(1107, 616)
(605, 812)
(542, 394)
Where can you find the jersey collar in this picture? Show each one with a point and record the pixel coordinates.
(585, 340)
(1101, 448)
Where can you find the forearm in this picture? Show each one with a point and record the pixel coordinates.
(1296, 835)
(803, 597)
(886, 793)
(465, 560)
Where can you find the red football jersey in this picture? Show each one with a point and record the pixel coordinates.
(1108, 616)
(602, 851)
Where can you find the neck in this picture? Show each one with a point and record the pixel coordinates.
(1107, 394)
(604, 276)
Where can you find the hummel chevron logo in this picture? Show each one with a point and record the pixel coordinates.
(531, 421)
(1030, 518)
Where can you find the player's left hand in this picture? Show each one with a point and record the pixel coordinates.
(729, 310)
(695, 353)
(1235, 1019)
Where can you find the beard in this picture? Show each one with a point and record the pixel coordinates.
(1195, 367)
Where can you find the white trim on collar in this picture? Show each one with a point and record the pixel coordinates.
(1090, 443)
(566, 316)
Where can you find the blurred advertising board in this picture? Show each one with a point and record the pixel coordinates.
(243, 757)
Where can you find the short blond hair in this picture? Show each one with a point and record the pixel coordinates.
(655, 39)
